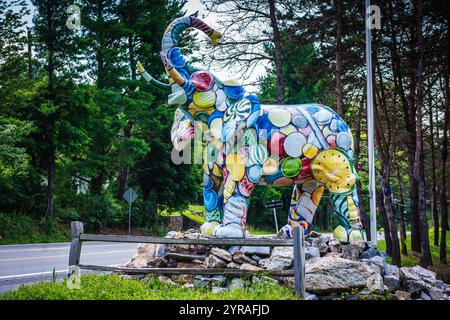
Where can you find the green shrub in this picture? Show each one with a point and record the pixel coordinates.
(112, 287)
(101, 210)
(24, 229)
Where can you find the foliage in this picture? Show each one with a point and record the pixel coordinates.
(107, 287)
(23, 229)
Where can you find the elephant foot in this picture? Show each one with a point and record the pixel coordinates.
(287, 231)
(208, 228)
(232, 230)
(344, 235)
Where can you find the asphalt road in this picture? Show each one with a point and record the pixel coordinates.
(30, 263)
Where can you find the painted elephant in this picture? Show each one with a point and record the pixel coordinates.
(308, 146)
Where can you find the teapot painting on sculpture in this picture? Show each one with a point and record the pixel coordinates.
(307, 146)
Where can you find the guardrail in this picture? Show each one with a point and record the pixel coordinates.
(78, 237)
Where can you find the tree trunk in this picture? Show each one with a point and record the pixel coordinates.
(444, 186)
(425, 259)
(278, 52)
(434, 207)
(390, 216)
(401, 209)
(29, 54)
(384, 222)
(407, 105)
(339, 88)
(50, 183)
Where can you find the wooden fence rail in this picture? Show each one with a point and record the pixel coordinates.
(78, 236)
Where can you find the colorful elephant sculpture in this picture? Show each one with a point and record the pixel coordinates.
(308, 146)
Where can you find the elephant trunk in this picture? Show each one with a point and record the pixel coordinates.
(170, 52)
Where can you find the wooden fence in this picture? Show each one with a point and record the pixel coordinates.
(78, 237)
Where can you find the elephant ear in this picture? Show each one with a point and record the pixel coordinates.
(182, 129)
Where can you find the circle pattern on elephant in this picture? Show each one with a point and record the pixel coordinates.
(334, 169)
(202, 80)
(238, 111)
(279, 117)
(245, 187)
(290, 167)
(207, 182)
(235, 164)
(257, 153)
(270, 166)
(204, 99)
(254, 173)
(210, 198)
(294, 143)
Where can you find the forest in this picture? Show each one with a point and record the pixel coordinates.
(78, 125)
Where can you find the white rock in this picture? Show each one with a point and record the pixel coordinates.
(260, 251)
(222, 254)
(214, 262)
(333, 274)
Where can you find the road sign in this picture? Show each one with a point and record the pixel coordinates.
(274, 204)
(130, 195)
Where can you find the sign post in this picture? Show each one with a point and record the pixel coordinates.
(129, 196)
(274, 205)
(370, 127)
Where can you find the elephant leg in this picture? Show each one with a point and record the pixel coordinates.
(304, 202)
(213, 198)
(236, 201)
(347, 211)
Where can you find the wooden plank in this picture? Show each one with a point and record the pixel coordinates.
(200, 271)
(77, 229)
(208, 241)
(299, 261)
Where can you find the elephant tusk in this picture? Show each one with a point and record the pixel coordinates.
(150, 79)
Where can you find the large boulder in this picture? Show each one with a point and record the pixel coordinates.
(392, 282)
(281, 258)
(416, 278)
(353, 250)
(334, 274)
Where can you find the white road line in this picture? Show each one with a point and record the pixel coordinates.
(60, 248)
(66, 255)
(14, 276)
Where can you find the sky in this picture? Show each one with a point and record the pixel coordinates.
(211, 19)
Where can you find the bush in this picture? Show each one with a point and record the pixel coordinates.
(101, 210)
(112, 287)
(24, 229)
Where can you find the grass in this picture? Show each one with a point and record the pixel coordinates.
(442, 271)
(411, 259)
(113, 287)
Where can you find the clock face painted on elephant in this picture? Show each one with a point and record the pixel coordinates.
(247, 144)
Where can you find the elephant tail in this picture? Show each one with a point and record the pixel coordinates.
(169, 46)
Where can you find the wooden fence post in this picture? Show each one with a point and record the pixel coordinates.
(75, 247)
(299, 261)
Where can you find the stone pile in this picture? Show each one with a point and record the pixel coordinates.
(331, 268)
